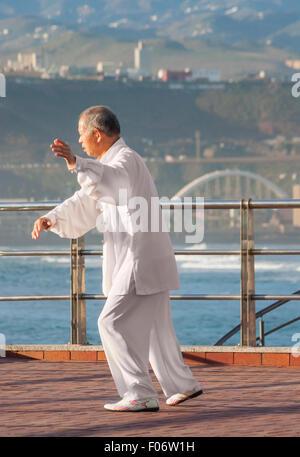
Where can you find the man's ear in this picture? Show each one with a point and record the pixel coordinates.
(98, 135)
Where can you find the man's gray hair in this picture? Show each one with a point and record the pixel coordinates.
(101, 118)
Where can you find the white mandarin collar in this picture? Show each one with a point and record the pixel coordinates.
(108, 155)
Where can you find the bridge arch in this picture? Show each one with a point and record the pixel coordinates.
(217, 175)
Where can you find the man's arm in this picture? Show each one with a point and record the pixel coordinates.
(74, 217)
(102, 181)
(97, 180)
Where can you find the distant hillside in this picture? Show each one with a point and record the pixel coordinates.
(85, 46)
(137, 14)
(230, 20)
(35, 112)
(270, 108)
(255, 34)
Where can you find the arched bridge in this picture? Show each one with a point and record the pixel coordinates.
(231, 184)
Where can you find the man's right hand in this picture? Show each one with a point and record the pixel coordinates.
(43, 223)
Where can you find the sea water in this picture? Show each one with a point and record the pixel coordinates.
(200, 322)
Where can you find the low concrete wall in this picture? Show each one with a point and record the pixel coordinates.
(232, 355)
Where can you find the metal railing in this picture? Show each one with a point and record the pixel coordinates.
(259, 315)
(247, 253)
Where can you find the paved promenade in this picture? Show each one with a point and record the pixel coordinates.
(39, 398)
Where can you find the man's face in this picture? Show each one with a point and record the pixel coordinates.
(89, 140)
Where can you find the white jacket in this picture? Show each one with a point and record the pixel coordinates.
(148, 255)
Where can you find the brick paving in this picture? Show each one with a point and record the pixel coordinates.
(56, 399)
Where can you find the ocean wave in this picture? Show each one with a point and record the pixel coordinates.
(89, 262)
(284, 264)
(232, 263)
(52, 259)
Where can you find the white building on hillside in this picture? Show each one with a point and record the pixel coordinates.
(142, 58)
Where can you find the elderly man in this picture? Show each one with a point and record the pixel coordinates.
(139, 266)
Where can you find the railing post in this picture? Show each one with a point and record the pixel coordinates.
(251, 317)
(244, 277)
(77, 305)
(248, 318)
(261, 332)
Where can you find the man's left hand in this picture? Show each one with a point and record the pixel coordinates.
(62, 149)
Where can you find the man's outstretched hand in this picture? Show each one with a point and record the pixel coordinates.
(43, 223)
(62, 149)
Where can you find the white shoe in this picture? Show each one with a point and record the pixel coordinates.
(179, 398)
(148, 404)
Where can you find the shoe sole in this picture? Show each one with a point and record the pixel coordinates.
(133, 410)
(196, 394)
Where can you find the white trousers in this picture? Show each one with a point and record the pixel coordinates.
(135, 329)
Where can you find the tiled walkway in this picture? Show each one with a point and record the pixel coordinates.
(40, 398)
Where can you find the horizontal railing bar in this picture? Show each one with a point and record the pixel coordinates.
(281, 326)
(32, 253)
(102, 297)
(168, 204)
(230, 204)
(28, 206)
(206, 252)
(206, 204)
(214, 297)
(183, 252)
(289, 203)
(172, 297)
(276, 297)
(36, 297)
(89, 252)
(274, 251)
(251, 252)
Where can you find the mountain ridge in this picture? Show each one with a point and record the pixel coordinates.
(72, 33)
